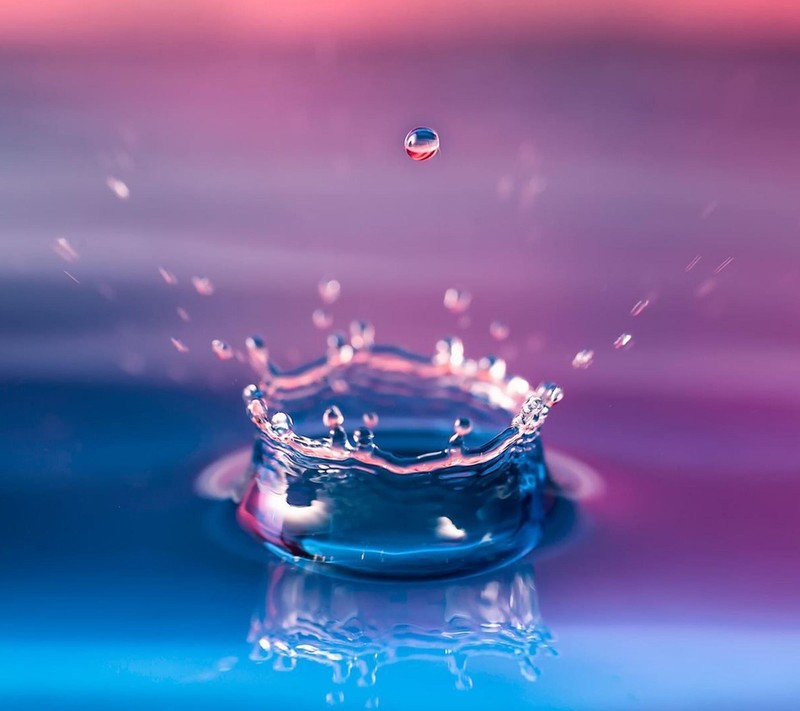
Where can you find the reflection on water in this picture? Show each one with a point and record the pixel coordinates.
(356, 627)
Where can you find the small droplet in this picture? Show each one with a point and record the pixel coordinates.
(550, 393)
(462, 426)
(363, 437)
(583, 359)
(496, 367)
(449, 351)
(422, 143)
(322, 319)
(499, 331)
(362, 334)
(65, 250)
(640, 306)
(457, 301)
(222, 350)
(258, 412)
(334, 698)
(251, 392)
(624, 340)
(370, 419)
(332, 417)
(203, 285)
(179, 345)
(339, 386)
(168, 276)
(118, 188)
(338, 348)
(282, 425)
(183, 314)
(329, 290)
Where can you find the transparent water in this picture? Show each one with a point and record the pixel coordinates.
(675, 586)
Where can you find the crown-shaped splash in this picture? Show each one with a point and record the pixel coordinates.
(442, 473)
(356, 374)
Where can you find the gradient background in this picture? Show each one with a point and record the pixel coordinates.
(591, 151)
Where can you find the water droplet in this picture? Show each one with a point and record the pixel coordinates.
(338, 348)
(624, 340)
(422, 143)
(179, 345)
(462, 426)
(203, 285)
(282, 425)
(329, 290)
(496, 367)
(362, 334)
(449, 351)
(333, 417)
(258, 353)
(457, 300)
(499, 331)
(322, 319)
(583, 359)
(640, 306)
(183, 314)
(339, 386)
(251, 392)
(363, 437)
(222, 350)
(168, 276)
(370, 419)
(119, 188)
(550, 393)
(334, 698)
(65, 250)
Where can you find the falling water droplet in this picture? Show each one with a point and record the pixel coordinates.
(65, 250)
(422, 143)
(322, 319)
(583, 359)
(370, 419)
(333, 417)
(329, 290)
(499, 331)
(119, 188)
(203, 285)
(640, 306)
(222, 350)
(457, 300)
(168, 276)
(179, 345)
(183, 314)
(623, 341)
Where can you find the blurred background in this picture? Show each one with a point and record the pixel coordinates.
(174, 172)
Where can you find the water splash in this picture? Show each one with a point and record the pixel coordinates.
(458, 450)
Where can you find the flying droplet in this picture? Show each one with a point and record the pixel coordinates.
(550, 393)
(363, 437)
(322, 319)
(457, 300)
(168, 276)
(329, 290)
(333, 417)
(179, 345)
(499, 331)
(222, 350)
(183, 314)
(119, 188)
(624, 340)
(422, 143)
(370, 419)
(449, 351)
(640, 306)
(583, 359)
(65, 250)
(203, 285)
